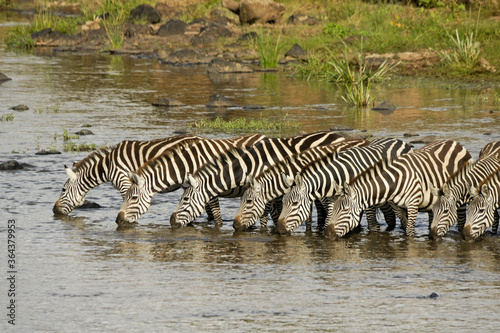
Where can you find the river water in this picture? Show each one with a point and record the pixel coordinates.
(81, 273)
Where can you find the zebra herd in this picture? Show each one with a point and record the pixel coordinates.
(285, 177)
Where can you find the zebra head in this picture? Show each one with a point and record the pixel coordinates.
(72, 194)
(191, 205)
(252, 206)
(346, 213)
(481, 213)
(296, 205)
(444, 210)
(136, 201)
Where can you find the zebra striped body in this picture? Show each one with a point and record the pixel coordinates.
(170, 169)
(454, 195)
(222, 176)
(483, 209)
(112, 165)
(317, 180)
(404, 183)
(274, 181)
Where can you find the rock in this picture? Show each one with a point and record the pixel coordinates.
(384, 106)
(147, 12)
(84, 132)
(232, 6)
(296, 52)
(172, 28)
(210, 34)
(433, 295)
(183, 57)
(260, 11)
(166, 101)
(47, 152)
(89, 204)
(11, 165)
(302, 19)
(20, 107)
(425, 140)
(486, 65)
(252, 35)
(131, 30)
(165, 10)
(408, 135)
(217, 100)
(253, 107)
(4, 77)
(337, 128)
(219, 66)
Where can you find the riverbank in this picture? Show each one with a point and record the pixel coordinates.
(452, 41)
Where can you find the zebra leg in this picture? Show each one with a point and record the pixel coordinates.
(402, 215)
(276, 208)
(462, 217)
(431, 217)
(371, 218)
(309, 220)
(208, 209)
(494, 227)
(412, 218)
(321, 211)
(265, 216)
(215, 209)
(328, 207)
(389, 216)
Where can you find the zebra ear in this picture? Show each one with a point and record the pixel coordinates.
(135, 179)
(338, 189)
(299, 181)
(250, 180)
(434, 189)
(287, 180)
(71, 174)
(473, 191)
(485, 191)
(446, 191)
(75, 163)
(348, 190)
(191, 181)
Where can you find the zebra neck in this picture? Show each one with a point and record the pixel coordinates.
(95, 169)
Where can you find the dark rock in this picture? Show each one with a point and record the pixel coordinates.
(183, 57)
(253, 107)
(103, 16)
(89, 205)
(11, 165)
(232, 6)
(219, 66)
(147, 12)
(84, 132)
(166, 101)
(296, 52)
(131, 30)
(252, 35)
(172, 27)
(425, 140)
(210, 34)
(260, 11)
(341, 128)
(42, 33)
(302, 19)
(4, 77)
(217, 100)
(408, 135)
(433, 295)
(47, 152)
(20, 107)
(487, 133)
(384, 106)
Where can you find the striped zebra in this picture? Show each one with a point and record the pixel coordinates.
(403, 182)
(170, 169)
(317, 180)
(111, 165)
(274, 181)
(451, 200)
(483, 209)
(221, 176)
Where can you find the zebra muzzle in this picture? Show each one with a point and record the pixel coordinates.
(237, 224)
(434, 235)
(173, 221)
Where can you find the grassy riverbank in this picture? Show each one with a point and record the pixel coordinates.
(438, 38)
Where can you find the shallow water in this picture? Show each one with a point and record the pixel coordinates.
(81, 273)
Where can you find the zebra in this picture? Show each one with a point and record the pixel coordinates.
(451, 200)
(216, 178)
(403, 182)
(111, 164)
(274, 181)
(483, 209)
(169, 170)
(317, 180)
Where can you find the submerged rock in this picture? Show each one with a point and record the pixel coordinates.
(219, 66)
(183, 57)
(20, 107)
(89, 204)
(425, 140)
(167, 101)
(384, 106)
(217, 100)
(4, 77)
(48, 152)
(11, 165)
(253, 107)
(337, 128)
(84, 132)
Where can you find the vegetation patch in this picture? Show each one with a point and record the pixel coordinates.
(244, 124)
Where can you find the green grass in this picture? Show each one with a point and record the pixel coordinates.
(269, 50)
(7, 117)
(244, 124)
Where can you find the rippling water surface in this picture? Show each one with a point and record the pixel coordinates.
(81, 273)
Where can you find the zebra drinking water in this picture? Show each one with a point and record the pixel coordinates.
(112, 165)
(231, 174)
(317, 180)
(403, 182)
(170, 169)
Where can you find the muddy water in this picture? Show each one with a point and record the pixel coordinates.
(82, 274)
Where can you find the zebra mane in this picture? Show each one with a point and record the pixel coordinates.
(465, 167)
(491, 175)
(99, 153)
(381, 164)
(220, 160)
(167, 154)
